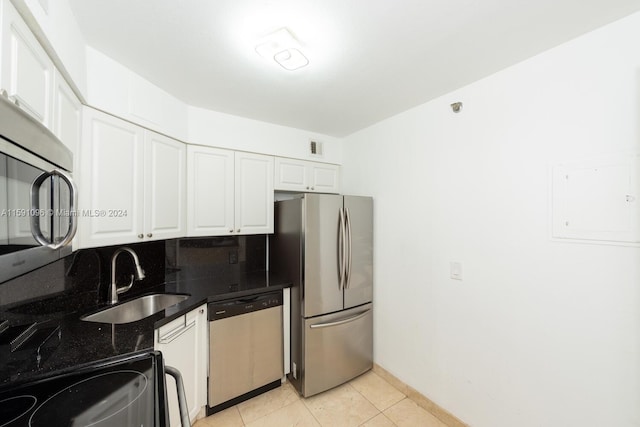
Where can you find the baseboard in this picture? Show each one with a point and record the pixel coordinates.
(422, 401)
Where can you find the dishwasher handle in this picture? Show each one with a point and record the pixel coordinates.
(182, 397)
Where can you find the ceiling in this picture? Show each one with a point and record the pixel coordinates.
(369, 59)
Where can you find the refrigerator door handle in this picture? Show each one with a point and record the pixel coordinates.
(348, 250)
(341, 321)
(341, 250)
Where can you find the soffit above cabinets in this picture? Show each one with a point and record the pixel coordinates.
(368, 59)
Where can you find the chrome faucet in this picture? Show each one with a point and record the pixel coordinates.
(114, 290)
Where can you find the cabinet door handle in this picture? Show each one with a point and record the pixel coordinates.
(231, 231)
(150, 235)
(173, 335)
(140, 236)
(238, 230)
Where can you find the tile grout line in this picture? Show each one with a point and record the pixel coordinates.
(365, 398)
(272, 412)
(444, 416)
(304, 399)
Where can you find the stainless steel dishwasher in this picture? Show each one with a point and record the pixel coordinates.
(245, 348)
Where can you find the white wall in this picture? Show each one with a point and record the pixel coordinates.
(538, 332)
(208, 127)
(116, 89)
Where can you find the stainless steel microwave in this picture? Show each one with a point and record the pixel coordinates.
(37, 194)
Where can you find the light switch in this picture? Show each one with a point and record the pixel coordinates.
(455, 269)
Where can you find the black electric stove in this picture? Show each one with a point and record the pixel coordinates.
(127, 391)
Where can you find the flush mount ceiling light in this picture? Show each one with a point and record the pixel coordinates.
(283, 48)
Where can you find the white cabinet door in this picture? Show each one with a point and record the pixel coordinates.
(228, 192)
(184, 346)
(324, 177)
(210, 191)
(254, 193)
(305, 176)
(132, 183)
(67, 115)
(27, 70)
(291, 175)
(111, 184)
(165, 187)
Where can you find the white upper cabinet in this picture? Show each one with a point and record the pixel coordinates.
(254, 193)
(305, 176)
(132, 185)
(27, 72)
(165, 162)
(111, 181)
(67, 114)
(228, 192)
(210, 191)
(325, 178)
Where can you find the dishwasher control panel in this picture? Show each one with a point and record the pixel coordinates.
(241, 305)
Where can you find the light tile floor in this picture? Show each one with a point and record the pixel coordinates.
(367, 401)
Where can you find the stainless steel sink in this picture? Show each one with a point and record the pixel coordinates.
(135, 309)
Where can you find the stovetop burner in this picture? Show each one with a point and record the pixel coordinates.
(14, 408)
(93, 401)
(127, 391)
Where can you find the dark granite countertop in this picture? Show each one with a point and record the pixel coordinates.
(73, 343)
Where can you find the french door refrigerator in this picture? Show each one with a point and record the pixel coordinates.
(324, 244)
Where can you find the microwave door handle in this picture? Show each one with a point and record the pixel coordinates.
(73, 202)
(35, 206)
(36, 231)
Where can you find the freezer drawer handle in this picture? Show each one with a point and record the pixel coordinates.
(340, 322)
(165, 339)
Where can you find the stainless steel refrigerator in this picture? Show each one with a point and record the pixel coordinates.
(324, 244)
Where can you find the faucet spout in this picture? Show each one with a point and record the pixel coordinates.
(114, 290)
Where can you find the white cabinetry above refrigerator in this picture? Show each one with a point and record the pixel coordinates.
(305, 176)
(228, 192)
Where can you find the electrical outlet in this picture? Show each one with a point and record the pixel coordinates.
(455, 270)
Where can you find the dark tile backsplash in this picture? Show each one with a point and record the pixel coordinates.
(233, 253)
(82, 279)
